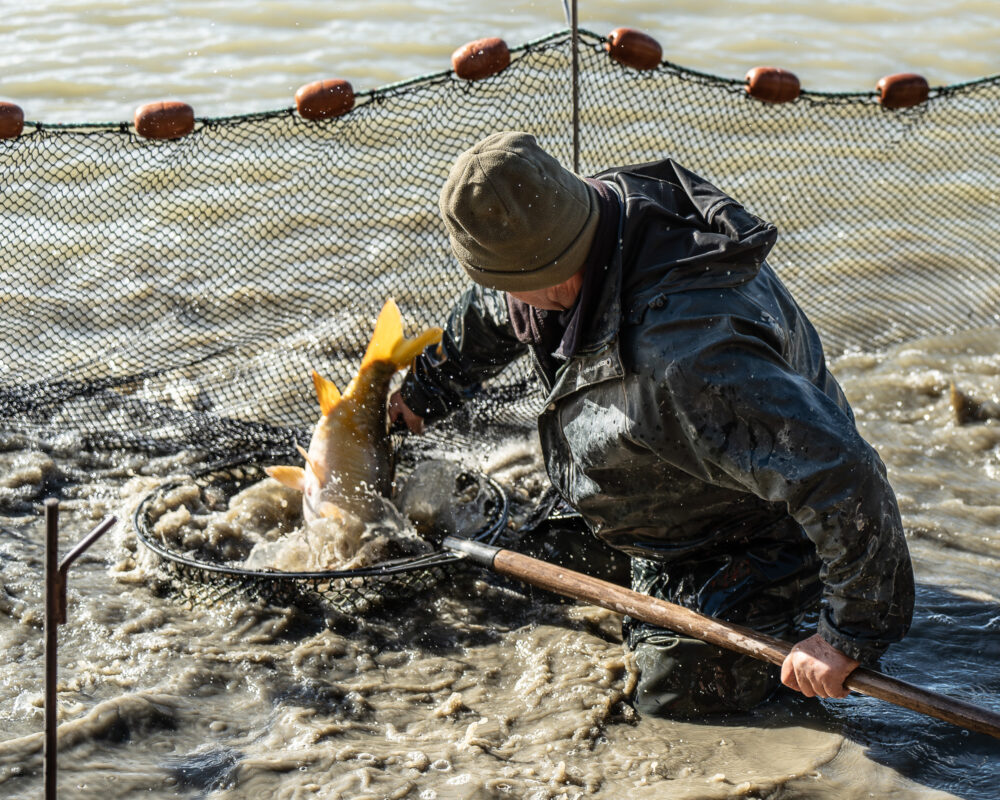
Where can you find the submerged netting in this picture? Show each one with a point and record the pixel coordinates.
(160, 294)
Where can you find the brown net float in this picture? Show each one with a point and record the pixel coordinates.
(902, 90)
(169, 119)
(481, 59)
(11, 121)
(324, 99)
(634, 48)
(772, 84)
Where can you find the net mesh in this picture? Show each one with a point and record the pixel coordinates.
(157, 294)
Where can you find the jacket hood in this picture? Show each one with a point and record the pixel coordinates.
(683, 233)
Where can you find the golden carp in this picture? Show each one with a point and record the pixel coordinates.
(349, 465)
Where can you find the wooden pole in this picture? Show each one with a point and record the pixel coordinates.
(723, 634)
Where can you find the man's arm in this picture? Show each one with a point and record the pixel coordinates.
(754, 424)
(477, 344)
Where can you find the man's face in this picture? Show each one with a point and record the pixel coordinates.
(553, 298)
(539, 298)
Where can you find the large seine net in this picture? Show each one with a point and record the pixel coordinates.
(165, 294)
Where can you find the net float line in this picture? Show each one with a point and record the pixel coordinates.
(476, 60)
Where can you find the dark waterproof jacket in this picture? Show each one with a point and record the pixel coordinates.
(697, 416)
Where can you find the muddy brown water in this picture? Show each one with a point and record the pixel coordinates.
(480, 687)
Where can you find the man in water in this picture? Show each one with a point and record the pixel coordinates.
(690, 416)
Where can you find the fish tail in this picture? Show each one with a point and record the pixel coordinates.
(388, 342)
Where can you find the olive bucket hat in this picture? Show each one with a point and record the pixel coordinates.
(517, 219)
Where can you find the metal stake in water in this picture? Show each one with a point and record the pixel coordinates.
(55, 615)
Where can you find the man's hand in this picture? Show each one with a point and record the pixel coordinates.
(398, 408)
(817, 668)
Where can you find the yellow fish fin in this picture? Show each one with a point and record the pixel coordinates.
(388, 342)
(292, 477)
(326, 392)
(387, 334)
(314, 468)
(328, 510)
(408, 349)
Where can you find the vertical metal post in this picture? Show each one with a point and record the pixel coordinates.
(55, 615)
(575, 28)
(570, 10)
(51, 628)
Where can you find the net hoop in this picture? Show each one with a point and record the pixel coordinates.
(351, 591)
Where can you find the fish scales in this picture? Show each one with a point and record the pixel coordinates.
(349, 464)
(351, 444)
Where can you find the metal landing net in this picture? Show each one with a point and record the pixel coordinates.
(204, 581)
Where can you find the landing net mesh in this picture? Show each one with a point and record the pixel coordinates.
(164, 294)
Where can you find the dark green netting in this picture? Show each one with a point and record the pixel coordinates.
(169, 294)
